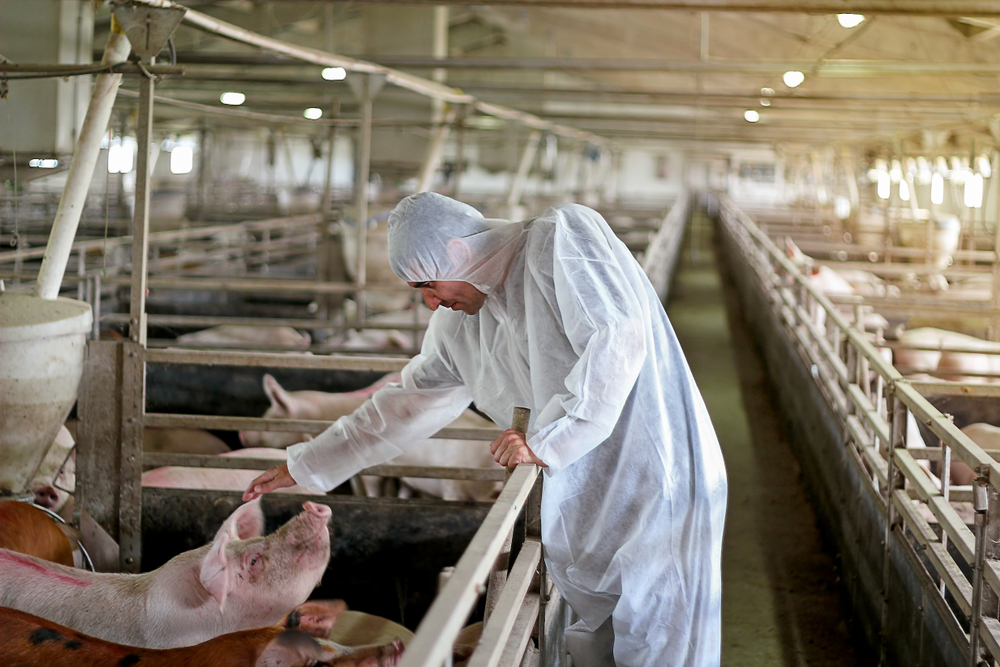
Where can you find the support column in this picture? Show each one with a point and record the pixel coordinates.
(521, 178)
(365, 87)
(140, 221)
(81, 169)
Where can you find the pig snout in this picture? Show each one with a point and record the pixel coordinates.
(321, 511)
(46, 496)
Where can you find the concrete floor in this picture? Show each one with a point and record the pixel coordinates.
(781, 604)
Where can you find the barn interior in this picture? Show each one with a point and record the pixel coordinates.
(196, 198)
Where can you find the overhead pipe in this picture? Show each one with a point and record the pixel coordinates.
(945, 8)
(81, 169)
(435, 149)
(395, 77)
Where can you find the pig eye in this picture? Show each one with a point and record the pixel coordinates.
(254, 561)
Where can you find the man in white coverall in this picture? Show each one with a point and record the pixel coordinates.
(555, 314)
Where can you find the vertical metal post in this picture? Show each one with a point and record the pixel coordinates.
(994, 331)
(897, 438)
(945, 472)
(140, 221)
(523, 169)
(364, 95)
(463, 111)
(326, 256)
(980, 502)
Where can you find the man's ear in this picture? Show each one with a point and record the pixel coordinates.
(459, 253)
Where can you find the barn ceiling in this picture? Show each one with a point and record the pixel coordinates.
(634, 72)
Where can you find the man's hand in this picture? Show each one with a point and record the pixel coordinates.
(275, 478)
(511, 448)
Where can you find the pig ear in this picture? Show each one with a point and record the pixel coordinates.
(316, 617)
(292, 648)
(214, 574)
(246, 522)
(277, 394)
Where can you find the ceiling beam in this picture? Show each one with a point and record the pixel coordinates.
(868, 7)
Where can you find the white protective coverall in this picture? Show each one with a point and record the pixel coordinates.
(634, 496)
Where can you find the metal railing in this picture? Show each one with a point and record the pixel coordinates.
(872, 401)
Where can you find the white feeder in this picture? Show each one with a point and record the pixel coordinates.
(41, 361)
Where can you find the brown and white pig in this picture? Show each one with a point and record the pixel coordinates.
(298, 641)
(436, 452)
(239, 581)
(29, 530)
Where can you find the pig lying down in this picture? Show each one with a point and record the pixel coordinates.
(238, 582)
(300, 640)
(325, 406)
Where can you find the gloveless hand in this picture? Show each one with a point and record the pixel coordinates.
(511, 448)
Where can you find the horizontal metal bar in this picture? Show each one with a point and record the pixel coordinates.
(942, 561)
(387, 470)
(276, 360)
(312, 426)
(501, 621)
(437, 631)
(915, 475)
(871, 415)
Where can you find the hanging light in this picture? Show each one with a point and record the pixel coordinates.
(974, 191)
(842, 208)
(904, 191)
(850, 20)
(334, 73)
(896, 172)
(884, 185)
(984, 166)
(937, 188)
(232, 99)
(313, 113)
(767, 92)
(793, 78)
(751, 116)
(765, 102)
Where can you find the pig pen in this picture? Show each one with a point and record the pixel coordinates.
(922, 582)
(393, 548)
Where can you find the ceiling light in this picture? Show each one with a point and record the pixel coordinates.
(984, 166)
(334, 73)
(850, 20)
(904, 191)
(232, 99)
(313, 113)
(883, 185)
(751, 116)
(767, 92)
(896, 172)
(43, 163)
(974, 192)
(181, 160)
(765, 103)
(937, 188)
(842, 208)
(793, 78)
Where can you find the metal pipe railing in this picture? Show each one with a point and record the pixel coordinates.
(874, 416)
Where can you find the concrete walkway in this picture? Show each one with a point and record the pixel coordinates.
(781, 604)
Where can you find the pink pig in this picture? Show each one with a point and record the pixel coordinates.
(239, 581)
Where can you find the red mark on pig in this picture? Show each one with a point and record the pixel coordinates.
(25, 561)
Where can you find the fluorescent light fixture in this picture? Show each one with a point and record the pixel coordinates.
(984, 166)
(751, 116)
(232, 99)
(904, 191)
(121, 155)
(43, 163)
(334, 73)
(793, 78)
(313, 113)
(767, 92)
(937, 189)
(842, 208)
(884, 185)
(765, 102)
(850, 20)
(974, 191)
(896, 172)
(181, 160)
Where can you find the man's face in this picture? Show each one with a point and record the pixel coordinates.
(453, 294)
